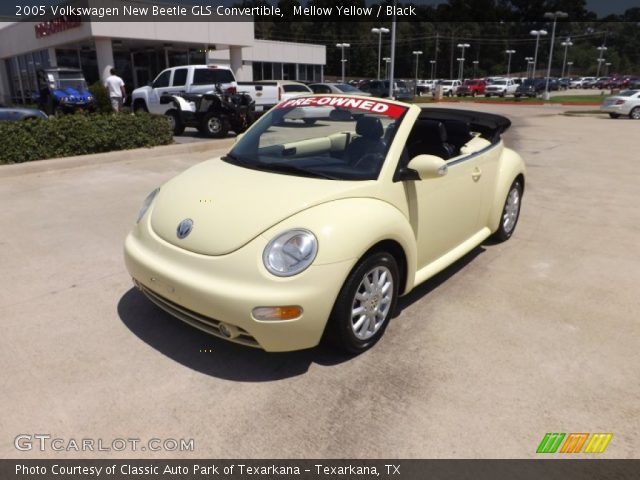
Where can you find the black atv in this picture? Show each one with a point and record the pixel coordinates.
(213, 114)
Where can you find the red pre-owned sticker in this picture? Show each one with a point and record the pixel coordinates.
(373, 106)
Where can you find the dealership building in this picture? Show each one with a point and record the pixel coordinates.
(140, 50)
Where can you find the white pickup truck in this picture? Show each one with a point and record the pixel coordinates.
(501, 87)
(198, 79)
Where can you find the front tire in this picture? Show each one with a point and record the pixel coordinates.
(309, 121)
(635, 114)
(365, 303)
(139, 107)
(214, 126)
(510, 213)
(177, 125)
(614, 115)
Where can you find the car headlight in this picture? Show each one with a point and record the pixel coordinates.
(290, 252)
(146, 204)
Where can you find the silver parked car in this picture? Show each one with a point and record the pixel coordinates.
(626, 102)
(18, 113)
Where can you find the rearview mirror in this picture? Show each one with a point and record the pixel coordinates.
(428, 166)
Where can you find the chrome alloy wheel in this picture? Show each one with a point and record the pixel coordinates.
(511, 210)
(214, 125)
(371, 303)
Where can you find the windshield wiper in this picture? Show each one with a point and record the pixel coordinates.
(288, 168)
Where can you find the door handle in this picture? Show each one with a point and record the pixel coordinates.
(477, 173)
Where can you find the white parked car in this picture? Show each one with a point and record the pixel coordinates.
(580, 82)
(425, 86)
(626, 102)
(288, 89)
(450, 87)
(501, 88)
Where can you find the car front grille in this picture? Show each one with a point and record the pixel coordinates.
(206, 324)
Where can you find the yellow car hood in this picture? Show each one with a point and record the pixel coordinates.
(231, 205)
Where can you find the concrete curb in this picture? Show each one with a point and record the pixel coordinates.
(39, 166)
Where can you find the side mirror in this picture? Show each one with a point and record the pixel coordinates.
(428, 166)
(238, 137)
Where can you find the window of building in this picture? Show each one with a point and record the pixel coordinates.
(288, 71)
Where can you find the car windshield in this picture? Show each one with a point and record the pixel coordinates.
(73, 80)
(500, 82)
(447, 82)
(327, 137)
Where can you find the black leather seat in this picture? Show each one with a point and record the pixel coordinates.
(429, 137)
(369, 141)
(458, 133)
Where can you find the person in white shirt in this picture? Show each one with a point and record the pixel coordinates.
(115, 86)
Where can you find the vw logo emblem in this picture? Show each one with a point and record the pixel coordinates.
(184, 228)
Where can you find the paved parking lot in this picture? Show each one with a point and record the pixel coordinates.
(540, 334)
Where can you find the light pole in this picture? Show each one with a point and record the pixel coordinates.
(460, 67)
(475, 67)
(342, 46)
(569, 68)
(417, 53)
(509, 52)
(393, 53)
(433, 68)
(600, 62)
(555, 16)
(387, 60)
(529, 63)
(537, 34)
(566, 44)
(379, 32)
(606, 72)
(461, 59)
(602, 49)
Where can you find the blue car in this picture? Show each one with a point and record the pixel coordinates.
(18, 113)
(63, 90)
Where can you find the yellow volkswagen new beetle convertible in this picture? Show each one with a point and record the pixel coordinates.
(310, 230)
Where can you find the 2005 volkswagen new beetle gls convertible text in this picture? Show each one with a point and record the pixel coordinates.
(303, 232)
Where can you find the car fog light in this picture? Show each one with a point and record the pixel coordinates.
(228, 331)
(277, 313)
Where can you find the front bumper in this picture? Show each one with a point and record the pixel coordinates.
(204, 291)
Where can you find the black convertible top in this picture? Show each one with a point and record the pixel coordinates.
(488, 124)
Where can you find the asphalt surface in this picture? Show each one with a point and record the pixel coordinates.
(539, 334)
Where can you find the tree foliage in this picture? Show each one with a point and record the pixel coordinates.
(489, 26)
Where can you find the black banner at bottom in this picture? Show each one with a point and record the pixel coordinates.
(544, 469)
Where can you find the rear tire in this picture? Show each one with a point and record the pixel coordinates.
(510, 213)
(309, 121)
(614, 115)
(365, 304)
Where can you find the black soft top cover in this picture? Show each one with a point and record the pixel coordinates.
(489, 125)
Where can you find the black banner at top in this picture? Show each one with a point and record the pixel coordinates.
(299, 10)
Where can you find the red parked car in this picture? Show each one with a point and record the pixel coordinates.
(472, 88)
